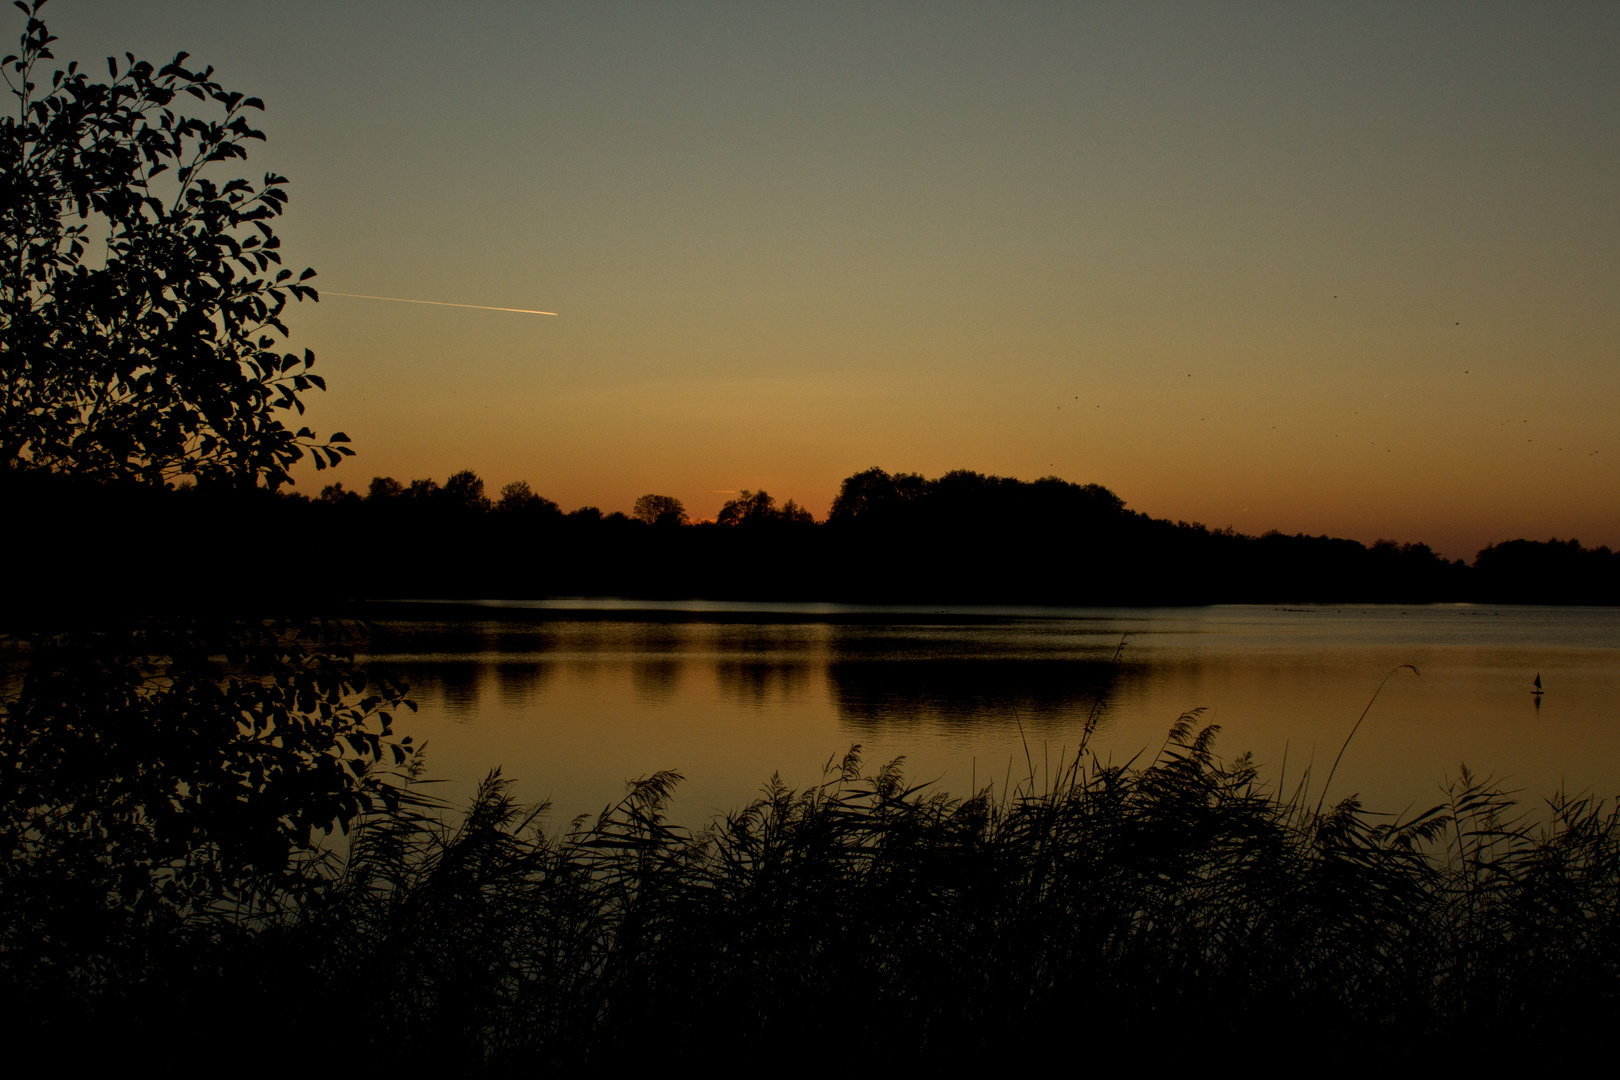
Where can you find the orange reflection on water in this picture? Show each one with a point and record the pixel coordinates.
(572, 704)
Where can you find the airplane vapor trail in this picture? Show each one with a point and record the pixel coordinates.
(436, 303)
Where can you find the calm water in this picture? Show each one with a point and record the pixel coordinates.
(574, 698)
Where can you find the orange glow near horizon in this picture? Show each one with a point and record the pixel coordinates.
(1349, 271)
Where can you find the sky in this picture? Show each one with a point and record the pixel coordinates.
(1348, 269)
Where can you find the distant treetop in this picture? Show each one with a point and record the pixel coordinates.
(875, 497)
(757, 508)
(659, 510)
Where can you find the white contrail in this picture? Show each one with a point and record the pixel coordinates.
(436, 303)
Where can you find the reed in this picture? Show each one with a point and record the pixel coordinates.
(1181, 897)
(1170, 906)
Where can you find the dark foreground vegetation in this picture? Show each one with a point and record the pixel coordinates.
(961, 538)
(1162, 910)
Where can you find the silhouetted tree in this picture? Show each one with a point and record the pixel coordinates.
(1547, 572)
(423, 490)
(874, 495)
(748, 508)
(157, 362)
(164, 780)
(518, 502)
(515, 496)
(659, 510)
(464, 490)
(384, 488)
(337, 495)
(798, 515)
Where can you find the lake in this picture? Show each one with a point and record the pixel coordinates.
(573, 698)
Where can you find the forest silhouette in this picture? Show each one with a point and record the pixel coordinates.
(961, 538)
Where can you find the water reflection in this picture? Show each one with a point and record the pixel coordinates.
(956, 691)
(521, 681)
(460, 682)
(758, 682)
(657, 680)
(575, 704)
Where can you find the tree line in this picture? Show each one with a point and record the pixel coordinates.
(961, 538)
(464, 492)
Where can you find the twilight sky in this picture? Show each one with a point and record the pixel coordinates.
(1335, 268)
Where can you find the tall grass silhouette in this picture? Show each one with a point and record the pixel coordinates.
(1165, 907)
(902, 923)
